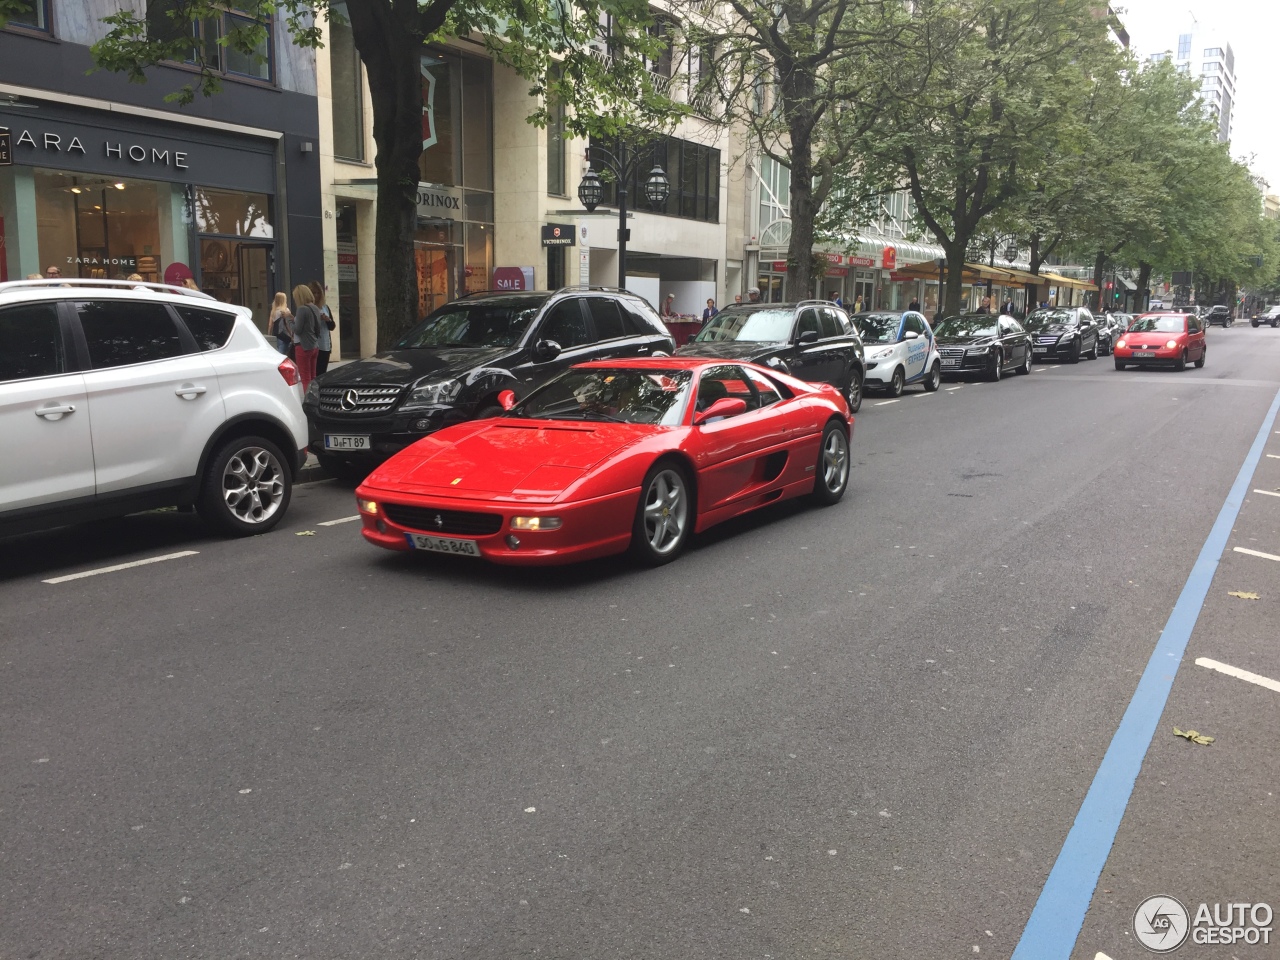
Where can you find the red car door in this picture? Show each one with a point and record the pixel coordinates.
(1195, 339)
(737, 457)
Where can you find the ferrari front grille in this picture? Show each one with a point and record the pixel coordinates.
(431, 520)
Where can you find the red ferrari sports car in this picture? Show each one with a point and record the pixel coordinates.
(610, 456)
(1161, 338)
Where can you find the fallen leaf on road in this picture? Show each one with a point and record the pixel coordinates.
(1242, 595)
(305, 533)
(1193, 736)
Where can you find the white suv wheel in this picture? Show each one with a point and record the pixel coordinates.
(246, 487)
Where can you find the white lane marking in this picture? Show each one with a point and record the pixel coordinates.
(885, 403)
(1239, 674)
(1256, 553)
(121, 566)
(1267, 493)
(334, 523)
(1274, 456)
(954, 389)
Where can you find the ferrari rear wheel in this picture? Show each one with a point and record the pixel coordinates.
(833, 464)
(664, 516)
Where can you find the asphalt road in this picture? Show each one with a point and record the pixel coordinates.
(854, 732)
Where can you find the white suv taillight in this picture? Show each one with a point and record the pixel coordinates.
(289, 371)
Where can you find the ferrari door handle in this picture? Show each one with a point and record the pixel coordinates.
(54, 411)
(189, 391)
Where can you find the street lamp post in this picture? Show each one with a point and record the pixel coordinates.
(591, 191)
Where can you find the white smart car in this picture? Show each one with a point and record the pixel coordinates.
(900, 350)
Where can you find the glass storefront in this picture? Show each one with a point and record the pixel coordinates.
(348, 281)
(99, 227)
(236, 248)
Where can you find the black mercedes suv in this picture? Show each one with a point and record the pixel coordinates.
(452, 366)
(813, 340)
(1063, 333)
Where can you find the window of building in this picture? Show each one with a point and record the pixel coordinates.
(347, 87)
(1213, 53)
(693, 170)
(556, 147)
(33, 14)
(1184, 46)
(249, 51)
(232, 214)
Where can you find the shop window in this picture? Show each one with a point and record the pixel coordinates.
(30, 342)
(347, 87)
(119, 333)
(692, 169)
(99, 227)
(232, 214)
(32, 14)
(248, 50)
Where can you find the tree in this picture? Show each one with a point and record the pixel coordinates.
(530, 36)
(783, 71)
(1004, 77)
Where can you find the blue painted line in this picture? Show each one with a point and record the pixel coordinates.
(1056, 921)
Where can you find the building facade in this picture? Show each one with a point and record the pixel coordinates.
(497, 205)
(1200, 52)
(107, 180)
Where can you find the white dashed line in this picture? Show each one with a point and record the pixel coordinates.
(885, 403)
(1239, 674)
(1274, 456)
(1267, 493)
(1256, 553)
(954, 389)
(334, 523)
(121, 566)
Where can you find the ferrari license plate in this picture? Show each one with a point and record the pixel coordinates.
(466, 548)
(1139, 353)
(951, 361)
(346, 441)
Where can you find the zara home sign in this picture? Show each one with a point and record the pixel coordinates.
(111, 150)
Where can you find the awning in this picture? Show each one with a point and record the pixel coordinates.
(1022, 276)
(1057, 280)
(1128, 284)
(929, 271)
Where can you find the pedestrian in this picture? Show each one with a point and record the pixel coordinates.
(753, 295)
(35, 276)
(306, 333)
(737, 298)
(985, 306)
(668, 306)
(711, 310)
(914, 305)
(52, 272)
(857, 304)
(327, 325)
(280, 323)
(834, 297)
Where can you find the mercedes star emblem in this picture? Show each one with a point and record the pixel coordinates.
(349, 400)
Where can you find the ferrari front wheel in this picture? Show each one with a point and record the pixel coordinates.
(664, 515)
(833, 464)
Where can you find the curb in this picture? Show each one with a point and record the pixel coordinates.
(310, 472)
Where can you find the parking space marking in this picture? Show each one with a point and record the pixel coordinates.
(121, 566)
(334, 523)
(1058, 916)
(1257, 553)
(954, 389)
(1274, 456)
(885, 403)
(1267, 493)
(1239, 674)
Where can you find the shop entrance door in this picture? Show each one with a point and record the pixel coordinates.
(436, 276)
(257, 280)
(864, 290)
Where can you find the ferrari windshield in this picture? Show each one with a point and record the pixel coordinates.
(1043, 319)
(768, 325)
(483, 322)
(878, 327)
(618, 395)
(1168, 323)
(970, 325)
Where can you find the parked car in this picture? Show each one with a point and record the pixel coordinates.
(1063, 333)
(117, 397)
(900, 350)
(1156, 339)
(1271, 316)
(451, 367)
(613, 456)
(813, 340)
(985, 344)
(1218, 314)
(1111, 326)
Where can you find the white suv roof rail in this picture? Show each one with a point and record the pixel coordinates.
(89, 282)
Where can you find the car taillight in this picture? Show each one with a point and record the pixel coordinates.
(289, 371)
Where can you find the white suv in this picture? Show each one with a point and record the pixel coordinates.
(117, 397)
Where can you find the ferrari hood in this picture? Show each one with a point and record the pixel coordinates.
(505, 457)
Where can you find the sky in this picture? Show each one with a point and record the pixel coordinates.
(1252, 27)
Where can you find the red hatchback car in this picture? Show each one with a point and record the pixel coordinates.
(1162, 339)
(613, 455)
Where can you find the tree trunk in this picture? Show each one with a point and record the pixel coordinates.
(798, 90)
(1143, 294)
(1099, 264)
(952, 303)
(391, 47)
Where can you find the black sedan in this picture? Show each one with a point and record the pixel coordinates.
(813, 340)
(1063, 333)
(1111, 326)
(983, 343)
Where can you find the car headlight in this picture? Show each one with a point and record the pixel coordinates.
(1171, 344)
(434, 392)
(1066, 337)
(879, 353)
(1121, 344)
(535, 523)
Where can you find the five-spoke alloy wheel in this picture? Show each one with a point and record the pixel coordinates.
(833, 464)
(664, 516)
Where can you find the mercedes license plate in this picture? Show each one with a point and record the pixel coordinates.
(1039, 349)
(346, 441)
(466, 548)
(1139, 353)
